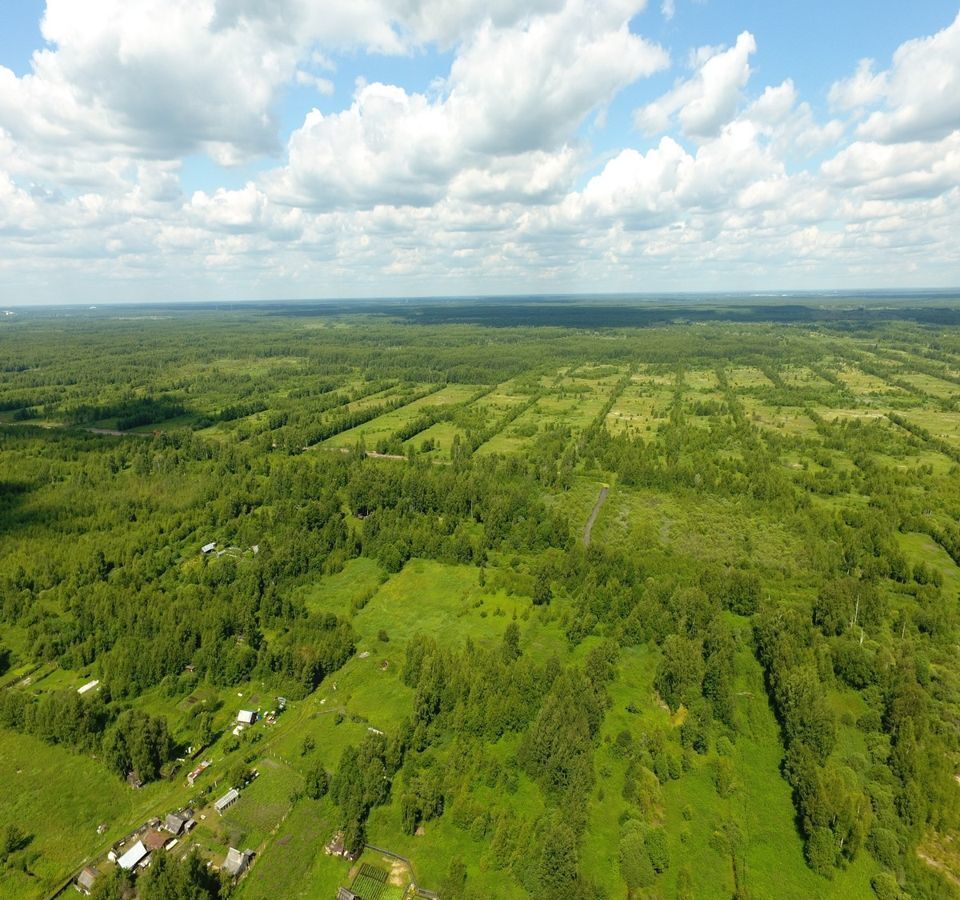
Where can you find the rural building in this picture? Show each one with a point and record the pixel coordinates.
(174, 823)
(236, 862)
(347, 894)
(246, 716)
(154, 840)
(133, 857)
(228, 799)
(86, 879)
(209, 548)
(89, 686)
(197, 772)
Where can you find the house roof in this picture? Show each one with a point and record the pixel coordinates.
(174, 823)
(248, 716)
(87, 877)
(133, 856)
(154, 840)
(236, 861)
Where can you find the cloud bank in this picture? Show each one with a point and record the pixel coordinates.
(491, 179)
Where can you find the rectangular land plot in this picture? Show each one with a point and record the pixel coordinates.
(928, 384)
(384, 426)
(643, 405)
(441, 434)
(804, 379)
(434, 598)
(940, 423)
(790, 420)
(746, 377)
(868, 388)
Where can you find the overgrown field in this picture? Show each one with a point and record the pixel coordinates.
(741, 678)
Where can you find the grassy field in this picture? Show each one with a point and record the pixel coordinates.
(384, 426)
(59, 799)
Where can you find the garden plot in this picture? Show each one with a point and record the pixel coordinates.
(804, 379)
(790, 420)
(517, 434)
(382, 427)
(928, 384)
(747, 377)
(942, 425)
(868, 388)
(643, 405)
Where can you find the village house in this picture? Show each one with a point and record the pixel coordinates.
(246, 716)
(236, 862)
(197, 772)
(175, 822)
(86, 879)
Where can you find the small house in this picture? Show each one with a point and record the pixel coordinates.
(208, 548)
(236, 862)
(133, 857)
(89, 686)
(227, 800)
(197, 772)
(86, 879)
(154, 840)
(246, 717)
(346, 894)
(174, 823)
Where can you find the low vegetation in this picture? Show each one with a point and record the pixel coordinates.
(740, 680)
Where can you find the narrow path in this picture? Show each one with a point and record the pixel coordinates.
(601, 497)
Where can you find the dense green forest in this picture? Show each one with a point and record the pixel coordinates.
(634, 604)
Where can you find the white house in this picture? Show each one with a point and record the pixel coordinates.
(246, 716)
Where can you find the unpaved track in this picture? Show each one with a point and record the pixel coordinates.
(594, 513)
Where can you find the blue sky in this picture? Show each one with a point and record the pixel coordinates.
(222, 149)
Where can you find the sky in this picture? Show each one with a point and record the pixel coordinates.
(157, 150)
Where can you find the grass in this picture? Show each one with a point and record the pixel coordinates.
(293, 863)
(79, 794)
(923, 548)
(441, 600)
(383, 426)
(337, 593)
